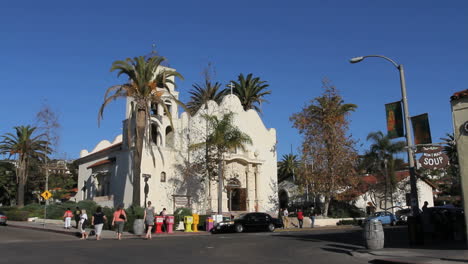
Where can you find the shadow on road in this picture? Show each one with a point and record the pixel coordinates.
(395, 237)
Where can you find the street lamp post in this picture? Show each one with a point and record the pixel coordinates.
(409, 140)
(146, 189)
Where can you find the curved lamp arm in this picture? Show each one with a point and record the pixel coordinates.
(359, 59)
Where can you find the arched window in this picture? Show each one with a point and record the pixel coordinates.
(154, 109)
(169, 137)
(163, 176)
(169, 107)
(154, 133)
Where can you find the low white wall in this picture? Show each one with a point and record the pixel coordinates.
(318, 221)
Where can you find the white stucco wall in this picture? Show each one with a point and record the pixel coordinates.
(460, 116)
(425, 193)
(255, 168)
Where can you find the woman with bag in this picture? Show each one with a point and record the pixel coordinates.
(83, 223)
(98, 220)
(119, 219)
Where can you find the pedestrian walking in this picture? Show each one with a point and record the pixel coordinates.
(98, 220)
(163, 213)
(83, 224)
(118, 220)
(312, 217)
(149, 220)
(285, 218)
(300, 218)
(77, 214)
(67, 216)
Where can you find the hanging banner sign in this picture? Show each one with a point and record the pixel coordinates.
(394, 120)
(421, 129)
(433, 158)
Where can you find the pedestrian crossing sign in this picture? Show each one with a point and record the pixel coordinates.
(46, 195)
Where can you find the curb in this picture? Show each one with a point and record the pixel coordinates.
(44, 229)
(340, 227)
(76, 234)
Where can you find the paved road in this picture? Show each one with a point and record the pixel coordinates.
(284, 247)
(16, 235)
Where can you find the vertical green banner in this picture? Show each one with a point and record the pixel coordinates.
(394, 120)
(421, 129)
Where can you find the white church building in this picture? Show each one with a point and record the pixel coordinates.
(167, 175)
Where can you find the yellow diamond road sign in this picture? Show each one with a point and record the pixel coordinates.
(46, 195)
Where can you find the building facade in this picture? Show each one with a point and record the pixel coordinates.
(170, 171)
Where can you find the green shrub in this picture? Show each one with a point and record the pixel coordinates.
(201, 223)
(109, 212)
(17, 215)
(133, 212)
(342, 209)
(180, 213)
(88, 205)
(55, 211)
(35, 210)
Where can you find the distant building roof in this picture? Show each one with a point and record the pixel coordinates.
(101, 162)
(459, 95)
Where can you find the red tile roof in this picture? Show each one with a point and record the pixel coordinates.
(459, 95)
(102, 162)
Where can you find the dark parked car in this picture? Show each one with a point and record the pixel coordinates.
(402, 215)
(3, 218)
(249, 222)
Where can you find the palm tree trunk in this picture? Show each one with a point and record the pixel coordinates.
(220, 185)
(137, 156)
(21, 182)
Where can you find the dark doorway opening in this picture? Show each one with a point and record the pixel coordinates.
(238, 199)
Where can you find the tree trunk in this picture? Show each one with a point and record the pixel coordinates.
(326, 205)
(21, 184)
(137, 156)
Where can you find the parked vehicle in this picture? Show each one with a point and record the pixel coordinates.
(402, 215)
(3, 218)
(249, 222)
(386, 218)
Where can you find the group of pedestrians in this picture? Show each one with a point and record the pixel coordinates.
(284, 213)
(98, 219)
(119, 217)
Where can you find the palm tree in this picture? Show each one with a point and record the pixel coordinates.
(200, 95)
(287, 166)
(26, 148)
(250, 91)
(453, 176)
(147, 83)
(450, 148)
(380, 156)
(224, 136)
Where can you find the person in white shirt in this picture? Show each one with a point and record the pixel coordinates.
(83, 223)
(285, 218)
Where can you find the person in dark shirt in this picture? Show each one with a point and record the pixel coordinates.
(98, 220)
(77, 214)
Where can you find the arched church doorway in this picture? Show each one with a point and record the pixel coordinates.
(237, 196)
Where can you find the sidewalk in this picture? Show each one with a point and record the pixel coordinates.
(106, 234)
(403, 255)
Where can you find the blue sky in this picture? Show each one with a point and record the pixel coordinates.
(61, 52)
